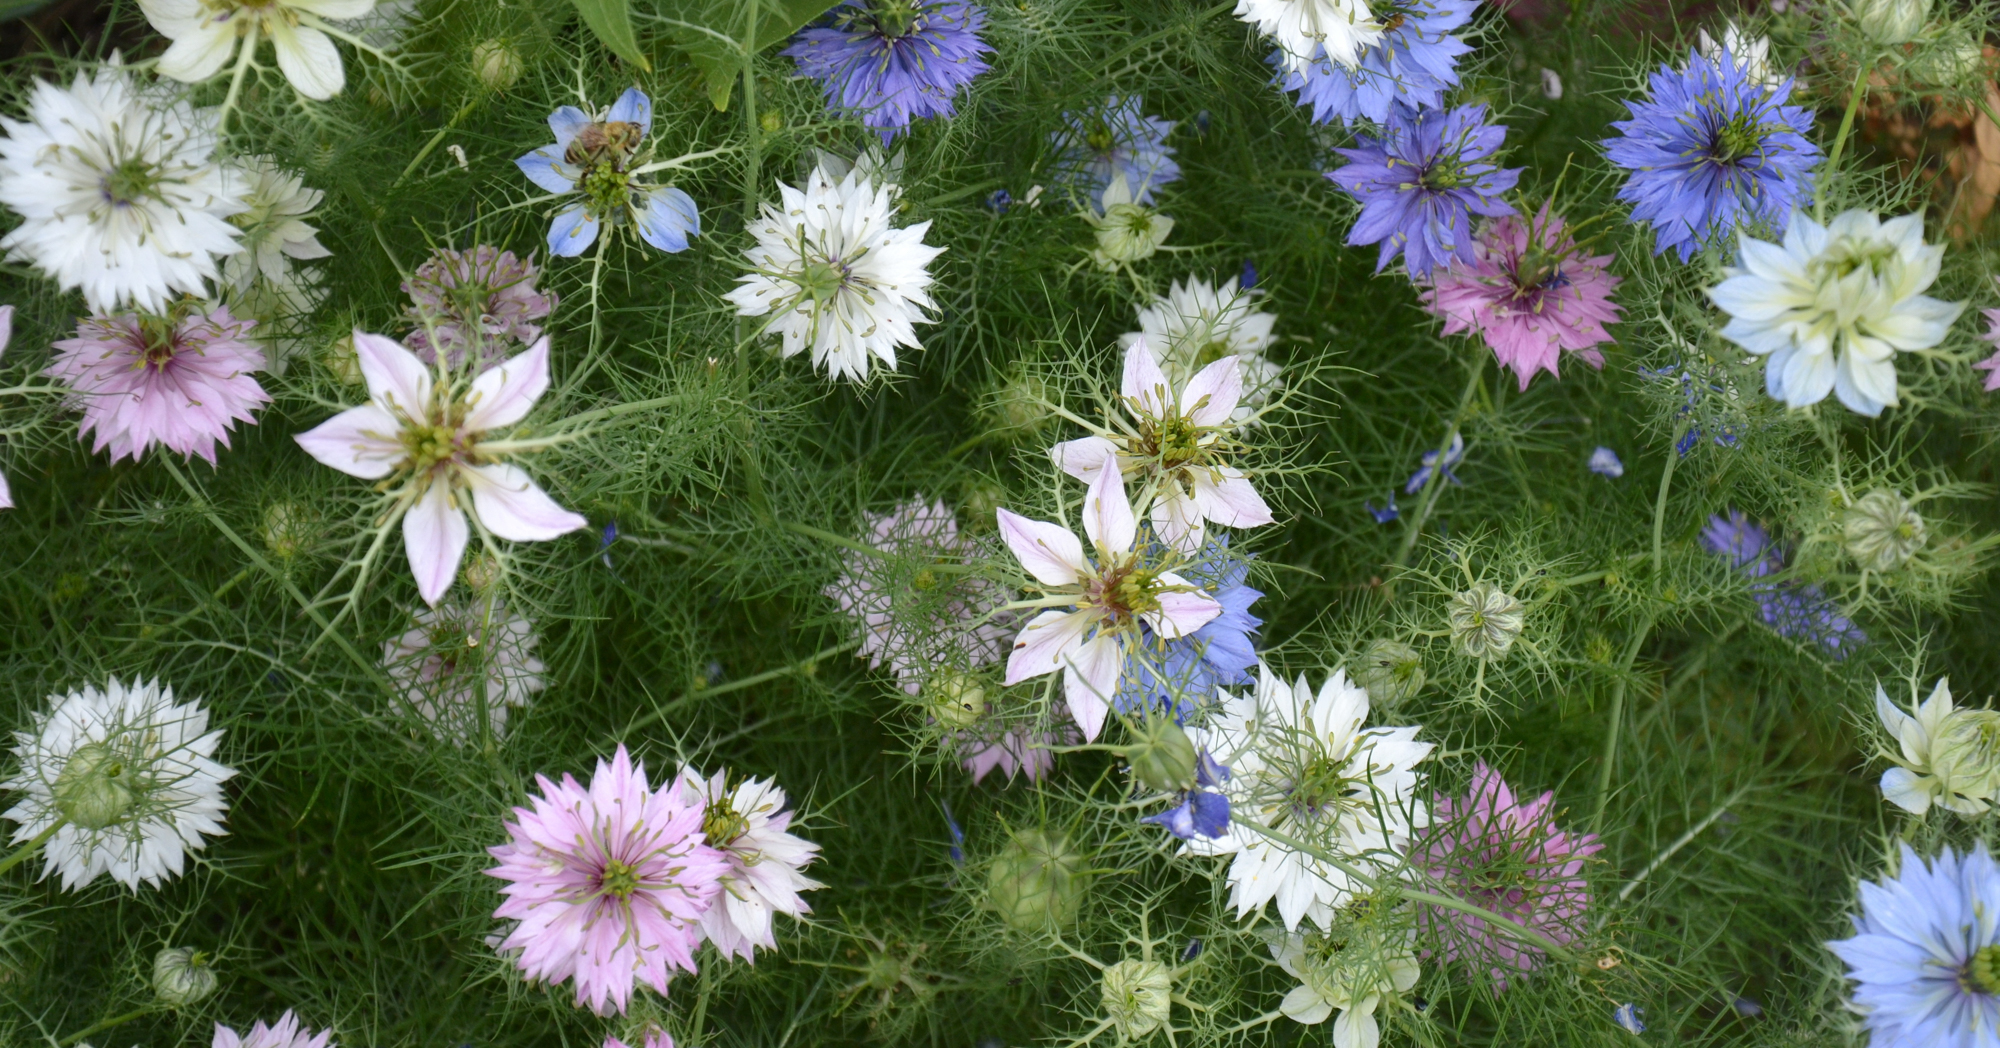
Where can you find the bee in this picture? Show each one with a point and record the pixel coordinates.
(607, 140)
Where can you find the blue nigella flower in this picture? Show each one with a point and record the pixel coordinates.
(596, 160)
(1711, 149)
(1798, 612)
(999, 201)
(1118, 138)
(957, 835)
(1191, 951)
(1199, 811)
(1248, 278)
(1421, 182)
(893, 61)
(1386, 513)
(1412, 65)
(1605, 463)
(604, 543)
(1453, 455)
(1631, 1017)
(1925, 956)
(1182, 674)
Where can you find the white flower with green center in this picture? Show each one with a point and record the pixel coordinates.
(1127, 231)
(205, 34)
(1882, 531)
(1302, 764)
(1949, 757)
(119, 781)
(1174, 436)
(1334, 976)
(749, 824)
(1833, 304)
(1485, 620)
(1300, 28)
(1197, 323)
(119, 193)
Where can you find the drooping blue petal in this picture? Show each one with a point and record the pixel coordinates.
(572, 232)
(633, 107)
(667, 219)
(1209, 813)
(544, 168)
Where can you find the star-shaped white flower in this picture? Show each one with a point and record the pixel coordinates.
(1301, 27)
(205, 33)
(1354, 989)
(1178, 439)
(1096, 604)
(435, 445)
(1949, 756)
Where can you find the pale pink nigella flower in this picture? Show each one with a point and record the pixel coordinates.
(1179, 433)
(1991, 365)
(914, 617)
(146, 380)
(1531, 293)
(609, 883)
(457, 656)
(748, 824)
(1018, 749)
(6, 335)
(438, 448)
(655, 1038)
(484, 298)
(1096, 604)
(1507, 857)
(284, 1033)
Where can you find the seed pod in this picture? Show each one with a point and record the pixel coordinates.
(497, 64)
(1485, 620)
(1037, 881)
(182, 976)
(1391, 671)
(1882, 530)
(1138, 997)
(95, 788)
(1162, 759)
(954, 699)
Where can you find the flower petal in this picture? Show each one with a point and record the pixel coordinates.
(571, 232)
(1050, 553)
(1211, 395)
(397, 380)
(1181, 613)
(540, 167)
(668, 219)
(504, 393)
(1107, 513)
(633, 107)
(1091, 680)
(512, 507)
(1302, 1005)
(308, 59)
(1226, 497)
(1144, 381)
(196, 56)
(360, 442)
(1080, 457)
(434, 537)
(1042, 643)
(565, 123)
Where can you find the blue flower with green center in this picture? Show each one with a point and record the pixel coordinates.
(1117, 139)
(1421, 182)
(1925, 956)
(1412, 66)
(1182, 674)
(893, 61)
(596, 161)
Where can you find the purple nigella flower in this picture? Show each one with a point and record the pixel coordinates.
(1420, 184)
(1453, 455)
(484, 298)
(1712, 149)
(1925, 956)
(1184, 673)
(1790, 610)
(1117, 138)
(893, 61)
(1411, 66)
(1386, 513)
(1200, 811)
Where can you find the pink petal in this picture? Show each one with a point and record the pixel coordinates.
(1080, 458)
(512, 507)
(1107, 513)
(1221, 382)
(434, 536)
(1227, 498)
(1091, 681)
(1045, 641)
(1181, 613)
(6, 496)
(504, 393)
(1050, 553)
(1178, 520)
(395, 376)
(360, 442)
(1144, 381)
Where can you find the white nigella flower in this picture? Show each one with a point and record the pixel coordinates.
(119, 193)
(1304, 765)
(459, 655)
(1831, 306)
(436, 447)
(834, 275)
(748, 825)
(1096, 604)
(275, 233)
(126, 777)
(1174, 435)
(205, 34)
(1751, 53)
(1332, 978)
(1949, 757)
(1197, 323)
(1127, 231)
(1301, 27)
(6, 336)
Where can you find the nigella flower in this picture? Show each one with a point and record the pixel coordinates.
(1115, 139)
(1711, 150)
(1453, 455)
(1790, 610)
(6, 336)
(1096, 604)
(1945, 756)
(655, 1038)
(608, 883)
(1202, 809)
(597, 160)
(1605, 463)
(1531, 293)
(1420, 183)
(893, 61)
(916, 607)
(1925, 956)
(1507, 857)
(749, 825)
(1411, 65)
(205, 35)
(1991, 365)
(459, 657)
(179, 382)
(484, 299)
(1386, 513)
(1336, 976)
(1305, 29)
(1182, 674)
(1017, 749)
(1197, 323)
(126, 779)
(285, 1033)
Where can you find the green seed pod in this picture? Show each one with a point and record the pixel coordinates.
(1485, 620)
(496, 64)
(1882, 530)
(1162, 759)
(1890, 22)
(1391, 671)
(1037, 881)
(954, 699)
(95, 787)
(182, 976)
(1138, 997)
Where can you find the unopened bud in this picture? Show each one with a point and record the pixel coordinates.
(481, 572)
(1965, 757)
(497, 64)
(1037, 881)
(343, 362)
(981, 503)
(95, 787)
(1391, 671)
(287, 529)
(1130, 233)
(1890, 22)
(1018, 406)
(771, 120)
(1138, 997)
(182, 976)
(954, 699)
(1162, 758)
(1882, 530)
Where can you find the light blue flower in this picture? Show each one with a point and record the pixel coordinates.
(1605, 463)
(597, 160)
(1631, 1017)
(1925, 956)
(1453, 455)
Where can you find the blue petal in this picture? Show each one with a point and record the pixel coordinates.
(571, 233)
(1210, 814)
(1179, 821)
(668, 219)
(540, 167)
(633, 107)
(566, 122)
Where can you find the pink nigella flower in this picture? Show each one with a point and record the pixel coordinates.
(1991, 365)
(749, 824)
(1018, 749)
(1096, 604)
(485, 297)
(1531, 293)
(914, 618)
(609, 883)
(440, 452)
(1510, 858)
(655, 1038)
(284, 1033)
(146, 380)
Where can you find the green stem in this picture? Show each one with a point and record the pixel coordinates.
(22, 853)
(1436, 481)
(1840, 137)
(1660, 499)
(236, 79)
(696, 694)
(616, 410)
(106, 1024)
(435, 141)
(1615, 727)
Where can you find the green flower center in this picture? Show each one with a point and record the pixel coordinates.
(1323, 781)
(821, 278)
(1738, 138)
(427, 444)
(1211, 353)
(619, 879)
(1097, 135)
(1174, 440)
(1444, 175)
(894, 19)
(1131, 591)
(606, 189)
(1984, 971)
(1848, 255)
(130, 181)
(157, 335)
(721, 824)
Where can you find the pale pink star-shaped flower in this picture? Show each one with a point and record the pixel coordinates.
(146, 380)
(1020, 749)
(284, 1033)
(916, 620)
(749, 826)
(609, 883)
(438, 446)
(1096, 604)
(655, 1038)
(1180, 436)
(1991, 365)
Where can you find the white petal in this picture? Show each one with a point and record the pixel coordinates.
(360, 442)
(1045, 640)
(1050, 553)
(1091, 681)
(504, 393)
(198, 55)
(1107, 513)
(1221, 384)
(1145, 382)
(1907, 790)
(308, 59)
(1080, 458)
(1182, 613)
(512, 507)
(434, 537)
(396, 378)
(1302, 1005)
(1227, 498)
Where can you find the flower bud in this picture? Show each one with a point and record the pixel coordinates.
(497, 64)
(1882, 530)
(287, 529)
(1037, 881)
(1965, 756)
(342, 361)
(1018, 406)
(1890, 22)
(182, 976)
(981, 504)
(1130, 233)
(1138, 997)
(954, 699)
(1391, 671)
(1162, 759)
(481, 572)
(1485, 621)
(95, 787)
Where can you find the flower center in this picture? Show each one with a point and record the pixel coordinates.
(893, 19)
(820, 278)
(156, 338)
(1539, 269)
(1097, 135)
(130, 182)
(619, 879)
(1211, 353)
(468, 300)
(1322, 782)
(1984, 971)
(606, 188)
(1175, 440)
(1848, 255)
(721, 824)
(95, 788)
(427, 444)
(1129, 591)
(1442, 175)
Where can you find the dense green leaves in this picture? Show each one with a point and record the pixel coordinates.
(716, 35)
(611, 20)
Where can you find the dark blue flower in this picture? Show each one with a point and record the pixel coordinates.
(604, 544)
(1183, 674)
(1420, 184)
(1385, 514)
(1710, 150)
(1200, 811)
(957, 835)
(1116, 139)
(893, 61)
(999, 201)
(1694, 393)
(1453, 455)
(1248, 279)
(1412, 65)
(1798, 612)
(596, 160)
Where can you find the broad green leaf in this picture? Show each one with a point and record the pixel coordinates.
(716, 35)
(611, 20)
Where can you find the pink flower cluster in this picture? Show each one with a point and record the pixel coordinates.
(145, 380)
(1531, 293)
(484, 299)
(912, 616)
